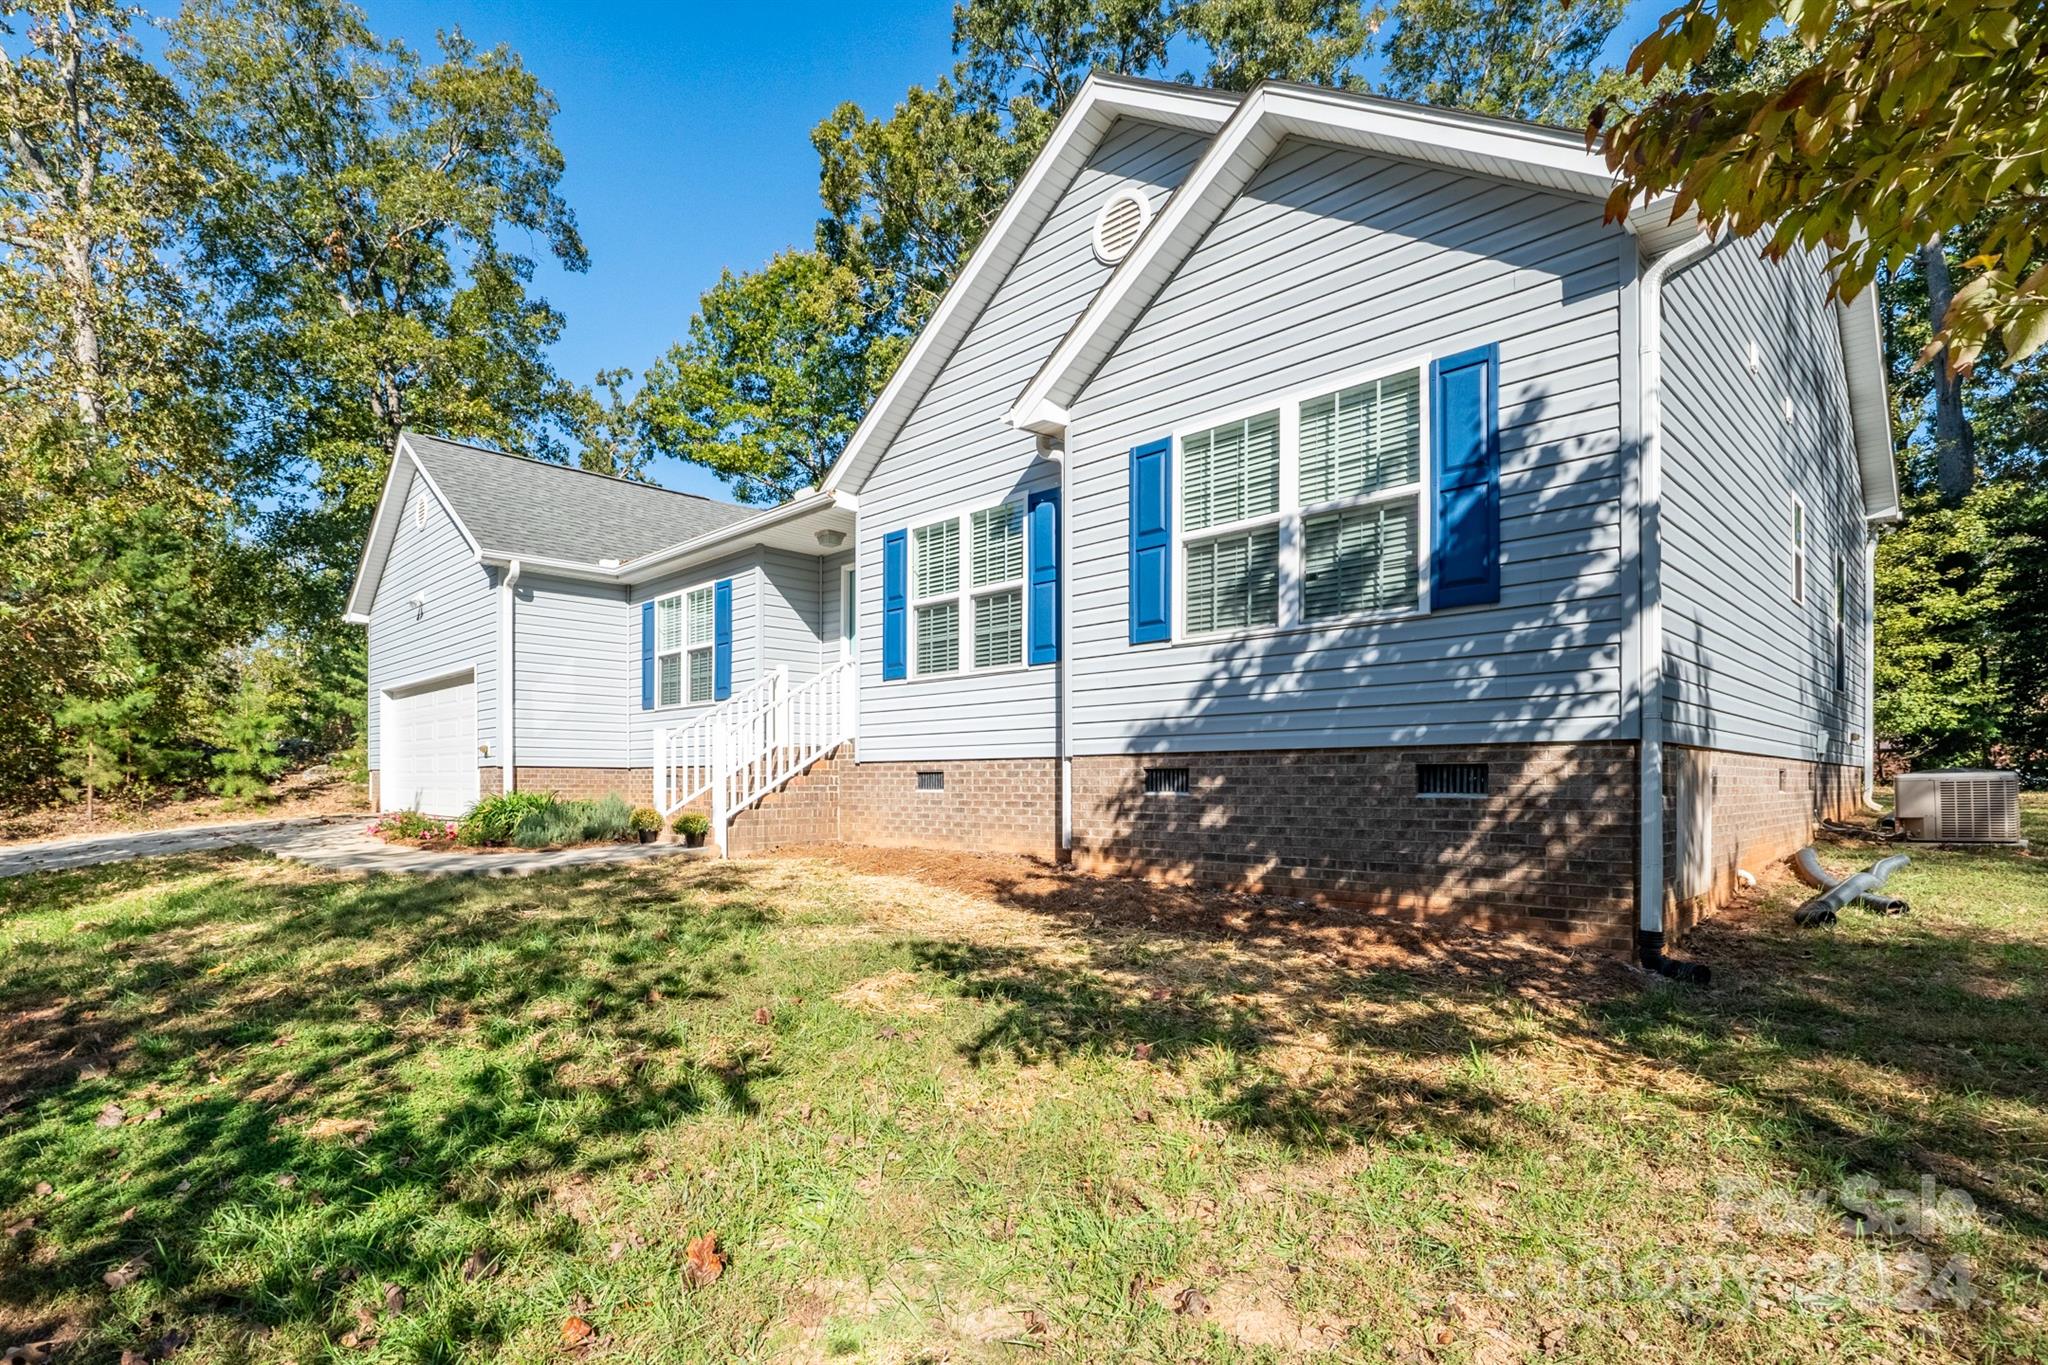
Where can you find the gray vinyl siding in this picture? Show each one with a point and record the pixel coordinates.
(744, 571)
(1747, 669)
(1334, 262)
(955, 453)
(789, 613)
(455, 630)
(573, 677)
(830, 581)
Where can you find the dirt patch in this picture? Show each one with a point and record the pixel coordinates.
(316, 791)
(1336, 937)
(893, 992)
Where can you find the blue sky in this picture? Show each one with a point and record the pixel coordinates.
(686, 129)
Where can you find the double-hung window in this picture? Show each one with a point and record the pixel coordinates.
(1361, 497)
(1308, 512)
(967, 591)
(683, 647)
(995, 559)
(1230, 524)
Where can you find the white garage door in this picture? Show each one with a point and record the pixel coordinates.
(430, 747)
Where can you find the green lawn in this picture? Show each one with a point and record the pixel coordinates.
(950, 1109)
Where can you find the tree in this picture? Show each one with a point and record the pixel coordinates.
(250, 730)
(1040, 51)
(1527, 59)
(774, 376)
(106, 742)
(1317, 42)
(364, 218)
(1904, 120)
(607, 427)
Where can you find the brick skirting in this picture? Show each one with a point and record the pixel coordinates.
(1755, 811)
(990, 805)
(635, 785)
(1548, 849)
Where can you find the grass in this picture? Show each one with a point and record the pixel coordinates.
(964, 1109)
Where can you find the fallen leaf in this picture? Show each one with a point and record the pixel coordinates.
(1035, 1323)
(127, 1273)
(45, 1187)
(152, 1116)
(707, 1262)
(287, 1180)
(1190, 1303)
(30, 1353)
(763, 1015)
(168, 1345)
(1143, 1052)
(21, 1229)
(476, 1266)
(128, 1213)
(113, 1116)
(394, 1298)
(1141, 1116)
(575, 1331)
(184, 1185)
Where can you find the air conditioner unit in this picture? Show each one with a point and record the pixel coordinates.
(1959, 806)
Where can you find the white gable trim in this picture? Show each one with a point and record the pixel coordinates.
(1550, 159)
(1101, 101)
(384, 529)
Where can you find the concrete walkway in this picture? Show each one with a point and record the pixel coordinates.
(333, 843)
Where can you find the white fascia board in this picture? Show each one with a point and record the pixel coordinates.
(1099, 103)
(1470, 143)
(729, 538)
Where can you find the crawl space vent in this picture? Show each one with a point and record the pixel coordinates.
(1117, 225)
(931, 781)
(1450, 779)
(1166, 781)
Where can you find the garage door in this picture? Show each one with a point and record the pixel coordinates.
(430, 747)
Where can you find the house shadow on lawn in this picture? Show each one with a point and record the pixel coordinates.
(261, 1037)
(1915, 1048)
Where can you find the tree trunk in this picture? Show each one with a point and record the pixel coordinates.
(1955, 445)
(85, 333)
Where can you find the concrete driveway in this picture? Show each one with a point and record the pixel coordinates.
(334, 843)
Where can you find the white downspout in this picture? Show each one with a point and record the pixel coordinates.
(1055, 448)
(1650, 621)
(506, 584)
(1870, 669)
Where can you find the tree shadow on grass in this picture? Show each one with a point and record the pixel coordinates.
(304, 1065)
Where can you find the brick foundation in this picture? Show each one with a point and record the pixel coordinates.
(1549, 849)
(1756, 811)
(635, 785)
(804, 810)
(992, 805)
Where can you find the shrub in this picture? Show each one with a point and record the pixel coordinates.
(573, 822)
(608, 819)
(693, 822)
(492, 820)
(409, 826)
(646, 820)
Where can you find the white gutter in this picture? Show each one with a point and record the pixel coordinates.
(1650, 619)
(508, 582)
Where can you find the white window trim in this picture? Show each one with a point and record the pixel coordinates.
(1799, 530)
(1291, 516)
(685, 649)
(965, 594)
(849, 611)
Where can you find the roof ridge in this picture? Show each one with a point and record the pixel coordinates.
(571, 468)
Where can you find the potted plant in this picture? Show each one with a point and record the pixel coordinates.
(693, 826)
(644, 824)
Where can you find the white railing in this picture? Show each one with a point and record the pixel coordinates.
(686, 756)
(753, 743)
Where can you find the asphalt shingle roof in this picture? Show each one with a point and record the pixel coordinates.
(520, 506)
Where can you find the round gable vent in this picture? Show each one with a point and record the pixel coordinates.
(1122, 217)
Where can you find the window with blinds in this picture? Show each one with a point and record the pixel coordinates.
(967, 589)
(1352, 510)
(684, 646)
(1230, 474)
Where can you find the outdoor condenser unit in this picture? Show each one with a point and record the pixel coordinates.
(1959, 806)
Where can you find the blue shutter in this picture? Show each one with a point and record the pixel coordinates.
(1465, 469)
(1042, 550)
(1152, 542)
(721, 640)
(895, 602)
(647, 656)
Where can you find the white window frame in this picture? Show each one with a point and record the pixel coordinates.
(1838, 608)
(1291, 516)
(1798, 531)
(684, 649)
(965, 595)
